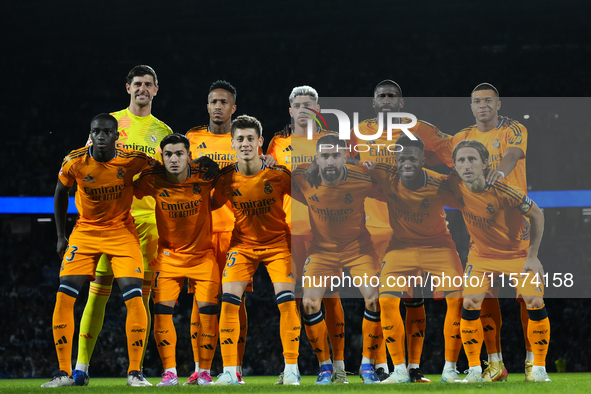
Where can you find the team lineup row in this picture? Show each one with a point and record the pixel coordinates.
(250, 219)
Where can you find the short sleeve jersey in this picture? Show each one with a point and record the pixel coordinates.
(417, 216)
(257, 203)
(104, 190)
(217, 147)
(497, 141)
(183, 210)
(143, 134)
(382, 150)
(290, 152)
(337, 213)
(494, 219)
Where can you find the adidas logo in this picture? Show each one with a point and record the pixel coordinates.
(487, 328)
(138, 270)
(140, 343)
(317, 350)
(374, 347)
(228, 342)
(296, 339)
(164, 194)
(471, 342)
(419, 334)
(88, 178)
(390, 340)
(339, 336)
(456, 336)
(542, 342)
(208, 347)
(202, 146)
(237, 193)
(314, 198)
(289, 148)
(164, 343)
(241, 340)
(62, 341)
(87, 336)
(195, 336)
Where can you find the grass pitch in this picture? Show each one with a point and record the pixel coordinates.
(561, 383)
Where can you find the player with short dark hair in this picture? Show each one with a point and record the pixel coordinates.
(103, 174)
(141, 131)
(339, 241)
(185, 250)
(260, 234)
(493, 216)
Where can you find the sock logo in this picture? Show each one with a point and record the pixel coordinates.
(456, 336)
(542, 342)
(296, 339)
(456, 323)
(374, 347)
(161, 332)
(418, 321)
(297, 328)
(208, 335)
(163, 343)
(419, 334)
(62, 341)
(487, 328)
(228, 342)
(314, 340)
(339, 336)
(390, 340)
(208, 347)
(317, 350)
(373, 336)
(60, 326)
(340, 324)
(227, 330)
(387, 328)
(140, 343)
(138, 330)
(471, 342)
(540, 332)
(469, 331)
(241, 340)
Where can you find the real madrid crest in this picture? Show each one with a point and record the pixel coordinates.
(120, 173)
(348, 198)
(268, 188)
(425, 203)
(496, 144)
(196, 189)
(490, 209)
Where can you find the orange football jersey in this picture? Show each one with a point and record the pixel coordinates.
(183, 210)
(416, 216)
(104, 191)
(497, 141)
(257, 202)
(494, 219)
(337, 213)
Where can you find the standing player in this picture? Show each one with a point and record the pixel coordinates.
(260, 234)
(103, 174)
(215, 141)
(290, 152)
(420, 243)
(185, 250)
(340, 240)
(507, 144)
(388, 98)
(138, 130)
(494, 221)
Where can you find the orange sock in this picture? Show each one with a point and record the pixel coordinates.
(381, 355)
(524, 324)
(146, 289)
(335, 324)
(393, 329)
(472, 336)
(243, 330)
(195, 330)
(451, 329)
(539, 334)
(135, 327)
(371, 330)
(298, 302)
(208, 339)
(415, 325)
(316, 332)
(491, 320)
(63, 327)
(229, 329)
(165, 335)
(289, 326)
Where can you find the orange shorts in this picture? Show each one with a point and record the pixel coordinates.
(404, 268)
(380, 237)
(480, 270)
(299, 253)
(242, 264)
(321, 264)
(171, 270)
(87, 245)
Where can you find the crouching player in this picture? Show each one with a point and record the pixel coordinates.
(185, 250)
(104, 176)
(494, 222)
(260, 234)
